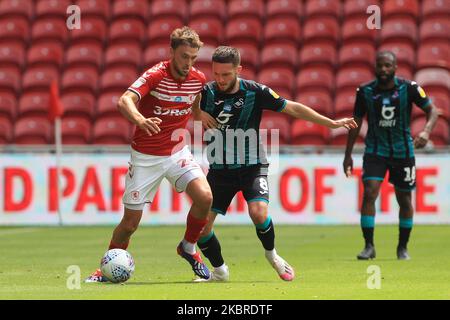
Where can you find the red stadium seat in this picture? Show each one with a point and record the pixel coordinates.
(117, 78)
(433, 78)
(282, 30)
(323, 8)
(321, 28)
(436, 29)
(52, 8)
(80, 78)
(83, 54)
(49, 29)
(248, 74)
(277, 78)
(396, 8)
(32, 130)
(440, 100)
(79, 104)
(95, 8)
(355, 8)
(440, 134)
(159, 30)
(356, 29)
(107, 103)
(111, 130)
(308, 133)
(6, 128)
(210, 30)
(200, 9)
(246, 9)
(399, 29)
(39, 78)
(405, 52)
(247, 30)
(284, 8)
(315, 78)
(14, 8)
(92, 29)
(405, 72)
(154, 54)
(123, 55)
(249, 55)
(12, 54)
(275, 121)
(75, 130)
(279, 55)
(318, 53)
(319, 100)
(169, 9)
(353, 77)
(434, 55)
(9, 80)
(34, 103)
(8, 105)
(357, 54)
(127, 30)
(48, 53)
(126, 9)
(344, 103)
(205, 55)
(435, 8)
(16, 29)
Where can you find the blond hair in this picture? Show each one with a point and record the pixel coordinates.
(185, 36)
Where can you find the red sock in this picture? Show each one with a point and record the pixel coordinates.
(194, 227)
(123, 246)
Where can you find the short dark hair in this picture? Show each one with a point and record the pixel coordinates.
(185, 36)
(224, 54)
(385, 53)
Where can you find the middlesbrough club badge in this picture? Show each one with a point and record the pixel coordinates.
(135, 195)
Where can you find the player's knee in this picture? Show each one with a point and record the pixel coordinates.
(258, 212)
(204, 200)
(370, 195)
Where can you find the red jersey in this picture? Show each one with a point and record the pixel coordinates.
(160, 95)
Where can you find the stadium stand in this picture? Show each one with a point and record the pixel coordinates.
(316, 51)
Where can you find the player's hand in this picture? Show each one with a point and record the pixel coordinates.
(348, 166)
(208, 121)
(348, 123)
(421, 139)
(150, 125)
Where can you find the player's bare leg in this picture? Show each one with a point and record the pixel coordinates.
(406, 222)
(120, 238)
(210, 246)
(200, 193)
(371, 191)
(258, 211)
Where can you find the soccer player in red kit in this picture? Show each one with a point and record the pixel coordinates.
(158, 103)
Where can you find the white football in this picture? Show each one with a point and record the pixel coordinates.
(117, 265)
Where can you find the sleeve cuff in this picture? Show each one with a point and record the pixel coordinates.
(283, 106)
(136, 92)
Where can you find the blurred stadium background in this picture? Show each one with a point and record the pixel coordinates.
(315, 51)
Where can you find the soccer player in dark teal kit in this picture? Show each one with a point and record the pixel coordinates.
(387, 102)
(231, 104)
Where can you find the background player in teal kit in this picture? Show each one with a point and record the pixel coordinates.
(232, 105)
(387, 101)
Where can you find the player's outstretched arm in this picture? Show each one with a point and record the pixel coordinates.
(300, 111)
(432, 116)
(351, 139)
(127, 107)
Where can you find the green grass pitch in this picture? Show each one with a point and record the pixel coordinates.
(34, 262)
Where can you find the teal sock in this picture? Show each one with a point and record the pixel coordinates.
(368, 226)
(266, 233)
(405, 227)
